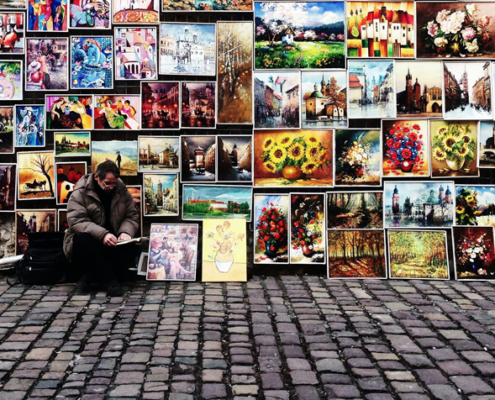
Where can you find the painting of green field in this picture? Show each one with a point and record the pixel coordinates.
(72, 144)
(123, 153)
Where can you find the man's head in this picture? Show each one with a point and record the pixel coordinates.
(107, 174)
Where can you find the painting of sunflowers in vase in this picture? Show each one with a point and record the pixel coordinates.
(300, 158)
(475, 205)
(454, 149)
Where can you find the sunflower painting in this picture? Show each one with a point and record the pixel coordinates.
(454, 149)
(296, 158)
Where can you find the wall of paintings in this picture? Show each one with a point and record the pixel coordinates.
(351, 139)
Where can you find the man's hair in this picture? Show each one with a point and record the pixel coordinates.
(106, 167)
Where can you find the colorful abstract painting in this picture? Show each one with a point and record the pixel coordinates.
(136, 53)
(29, 126)
(69, 112)
(118, 112)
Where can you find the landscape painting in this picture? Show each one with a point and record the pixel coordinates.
(475, 205)
(30, 221)
(419, 89)
(235, 72)
(135, 11)
(381, 29)
(276, 100)
(358, 158)
(356, 254)
(118, 112)
(302, 35)
(324, 102)
(371, 91)
(123, 153)
(11, 73)
(135, 191)
(12, 33)
(161, 195)
(271, 233)
(355, 210)
(198, 105)
(405, 148)
(209, 5)
(69, 112)
(7, 130)
(136, 53)
(206, 201)
(455, 30)
(173, 252)
(68, 174)
(198, 158)
(235, 158)
(187, 49)
(47, 16)
(224, 251)
(307, 228)
(29, 126)
(293, 158)
(72, 144)
(454, 149)
(36, 178)
(159, 154)
(474, 252)
(418, 254)
(160, 105)
(47, 64)
(7, 186)
(7, 235)
(486, 140)
(87, 14)
(418, 204)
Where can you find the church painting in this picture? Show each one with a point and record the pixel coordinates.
(418, 204)
(324, 99)
(161, 195)
(454, 149)
(486, 158)
(419, 89)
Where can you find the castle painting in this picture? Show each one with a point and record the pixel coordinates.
(419, 89)
(159, 154)
(486, 157)
(72, 144)
(161, 195)
(324, 102)
(418, 204)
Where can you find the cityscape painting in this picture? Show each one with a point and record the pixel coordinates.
(160, 105)
(7, 187)
(486, 140)
(198, 105)
(159, 154)
(72, 144)
(31, 221)
(234, 158)
(136, 53)
(198, 158)
(161, 195)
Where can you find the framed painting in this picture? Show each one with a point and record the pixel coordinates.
(454, 151)
(486, 137)
(466, 90)
(136, 193)
(7, 130)
(201, 202)
(66, 113)
(224, 250)
(173, 252)
(161, 195)
(29, 125)
(135, 12)
(356, 254)
(405, 148)
(86, 14)
(13, 4)
(63, 223)
(276, 100)
(11, 73)
(198, 159)
(142, 267)
(159, 154)
(135, 53)
(235, 79)
(355, 210)
(35, 178)
(72, 144)
(234, 158)
(198, 105)
(12, 32)
(118, 112)
(381, 29)
(68, 174)
(123, 153)
(293, 158)
(414, 254)
(227, 5)
(8, 182)
(474, 252)
(419, 89)
(324, 103)
(47, 17)
(7, 235)
(455, 30)
(358, 158)
(371, 91)
(475, 205)
(47, 63)
(307, 228)
(418, 204)
(187, 49)
(271, 229)
(31, 221)
(160, 105)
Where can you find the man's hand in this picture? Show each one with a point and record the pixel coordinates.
(124, 236)
(110, 240)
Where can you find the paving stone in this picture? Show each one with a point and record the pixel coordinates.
(472, 385)
(444, 392)
(303, 378)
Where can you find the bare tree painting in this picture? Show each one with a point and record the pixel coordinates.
(36, 175)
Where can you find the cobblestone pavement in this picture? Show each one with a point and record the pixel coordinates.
(271, 338)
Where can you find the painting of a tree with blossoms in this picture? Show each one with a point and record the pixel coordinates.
(302, 35)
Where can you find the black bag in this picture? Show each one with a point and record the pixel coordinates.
(44, 262)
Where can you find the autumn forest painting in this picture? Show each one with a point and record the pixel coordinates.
(356, 210)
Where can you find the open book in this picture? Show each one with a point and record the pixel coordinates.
(135, 240)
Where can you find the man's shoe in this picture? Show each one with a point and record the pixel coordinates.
(114, 289)
(84, 284)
